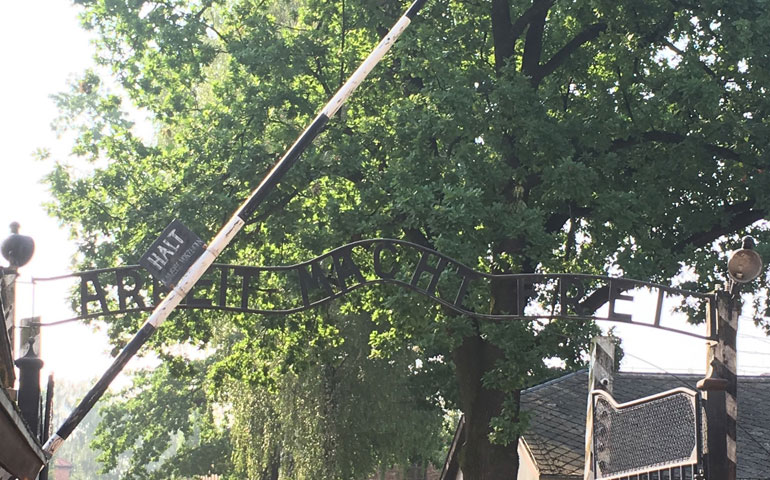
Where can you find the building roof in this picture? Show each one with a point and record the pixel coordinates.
(557, 419)
(21, 455)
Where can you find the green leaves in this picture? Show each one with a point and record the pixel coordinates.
(329, 411)
(600, 136)
(165, 425)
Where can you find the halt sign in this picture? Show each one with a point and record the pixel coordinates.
(172, 254)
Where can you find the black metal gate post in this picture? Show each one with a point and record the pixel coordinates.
(29, 387)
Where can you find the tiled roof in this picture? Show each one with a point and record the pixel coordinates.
(556, 412)
(557, 418)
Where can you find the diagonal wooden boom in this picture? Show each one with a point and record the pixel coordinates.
(229, 230)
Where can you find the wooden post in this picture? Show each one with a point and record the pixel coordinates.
(721, 387)
(600, 377)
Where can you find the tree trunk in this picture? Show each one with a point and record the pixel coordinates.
(274, 468)
(479, 459)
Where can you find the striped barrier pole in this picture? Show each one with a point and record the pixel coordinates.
(229, 230)
(728, 332)
(728, 310)
(721, 387)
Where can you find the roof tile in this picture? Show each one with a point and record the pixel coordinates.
(557, 418)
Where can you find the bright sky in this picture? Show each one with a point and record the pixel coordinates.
(41, 48)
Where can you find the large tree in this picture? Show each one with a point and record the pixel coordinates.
(515, 136)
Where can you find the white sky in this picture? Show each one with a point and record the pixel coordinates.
(42, 46)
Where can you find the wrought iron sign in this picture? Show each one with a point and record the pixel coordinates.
(293, 288)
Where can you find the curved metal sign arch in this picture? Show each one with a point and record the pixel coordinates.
(294, 288)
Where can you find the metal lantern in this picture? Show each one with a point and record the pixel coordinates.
(745, 264)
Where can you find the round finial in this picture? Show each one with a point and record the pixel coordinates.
(748, 242)
(31, 358)
(31, 346)
(17, 249)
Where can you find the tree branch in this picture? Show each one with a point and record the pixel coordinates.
(533, 45)
(679, 52)
(651, 136)
(557, 220)
(318, 74)
(280, 204)
(674, 138)
(530, 14)
(502, 34)
(596, 299)
(745, 216)
(742, 216)
(590, 33)
(624, 93)
(569, 242)
(415, 235)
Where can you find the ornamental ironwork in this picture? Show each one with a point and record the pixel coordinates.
(294, 288)
(650, 435)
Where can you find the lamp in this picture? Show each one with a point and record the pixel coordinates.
(745, 264)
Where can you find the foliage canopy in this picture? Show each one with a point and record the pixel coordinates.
(515, 136)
